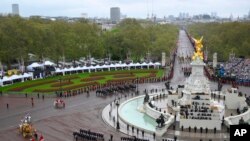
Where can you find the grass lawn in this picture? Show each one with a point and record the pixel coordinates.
(30, 86)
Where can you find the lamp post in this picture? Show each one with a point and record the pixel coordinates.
(60, 79)
(137, 91)
(117, 122)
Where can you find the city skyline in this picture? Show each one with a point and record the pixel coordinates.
(136, 9)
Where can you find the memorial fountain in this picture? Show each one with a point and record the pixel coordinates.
(194, 106)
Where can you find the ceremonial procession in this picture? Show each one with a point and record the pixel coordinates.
(97, 70)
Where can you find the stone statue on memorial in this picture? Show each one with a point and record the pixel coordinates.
(242, 121)
(160, 121)
(198, 47)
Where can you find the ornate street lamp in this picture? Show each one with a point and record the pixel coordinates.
(137, 91)
(117, 122)
(60, 80)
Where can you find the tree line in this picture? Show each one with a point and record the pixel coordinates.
(72, 40)
(223, 38)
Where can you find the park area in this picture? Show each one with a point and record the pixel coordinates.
(81, 80)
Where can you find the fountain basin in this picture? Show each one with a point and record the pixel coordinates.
(131, 113)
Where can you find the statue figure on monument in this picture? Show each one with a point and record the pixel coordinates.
(241, 121)
(198, 46)
(160, 121)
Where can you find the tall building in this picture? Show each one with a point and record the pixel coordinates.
(15, 9)
(115, 14)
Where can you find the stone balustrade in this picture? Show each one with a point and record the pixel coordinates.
(155, 114)
(234, 120)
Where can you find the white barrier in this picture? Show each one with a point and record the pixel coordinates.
(234, 120)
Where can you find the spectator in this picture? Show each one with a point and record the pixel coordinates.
(111, 137)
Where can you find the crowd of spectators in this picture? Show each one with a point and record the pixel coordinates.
(197, 111)
(235, 71)
(238, 68)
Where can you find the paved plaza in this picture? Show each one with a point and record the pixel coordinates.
(85, 111)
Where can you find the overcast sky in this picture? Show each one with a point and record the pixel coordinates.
(131, 8)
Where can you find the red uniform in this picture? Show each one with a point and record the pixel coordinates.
(41, 138)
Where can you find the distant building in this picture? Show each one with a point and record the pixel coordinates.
(183, 15)
(213, 15)
(15, 9)
(84, 15)
(115, 14)
(107, 27)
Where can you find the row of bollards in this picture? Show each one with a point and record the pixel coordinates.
(137, 130)
(195, 129)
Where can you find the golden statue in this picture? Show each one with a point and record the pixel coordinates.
(198, 47)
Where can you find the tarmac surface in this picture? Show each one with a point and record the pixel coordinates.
(85, 111)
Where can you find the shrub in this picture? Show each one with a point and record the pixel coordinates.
(70, 77)
(63, 83)
(92, 78)
(20, 88)
(123, 75)
(68, 88)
